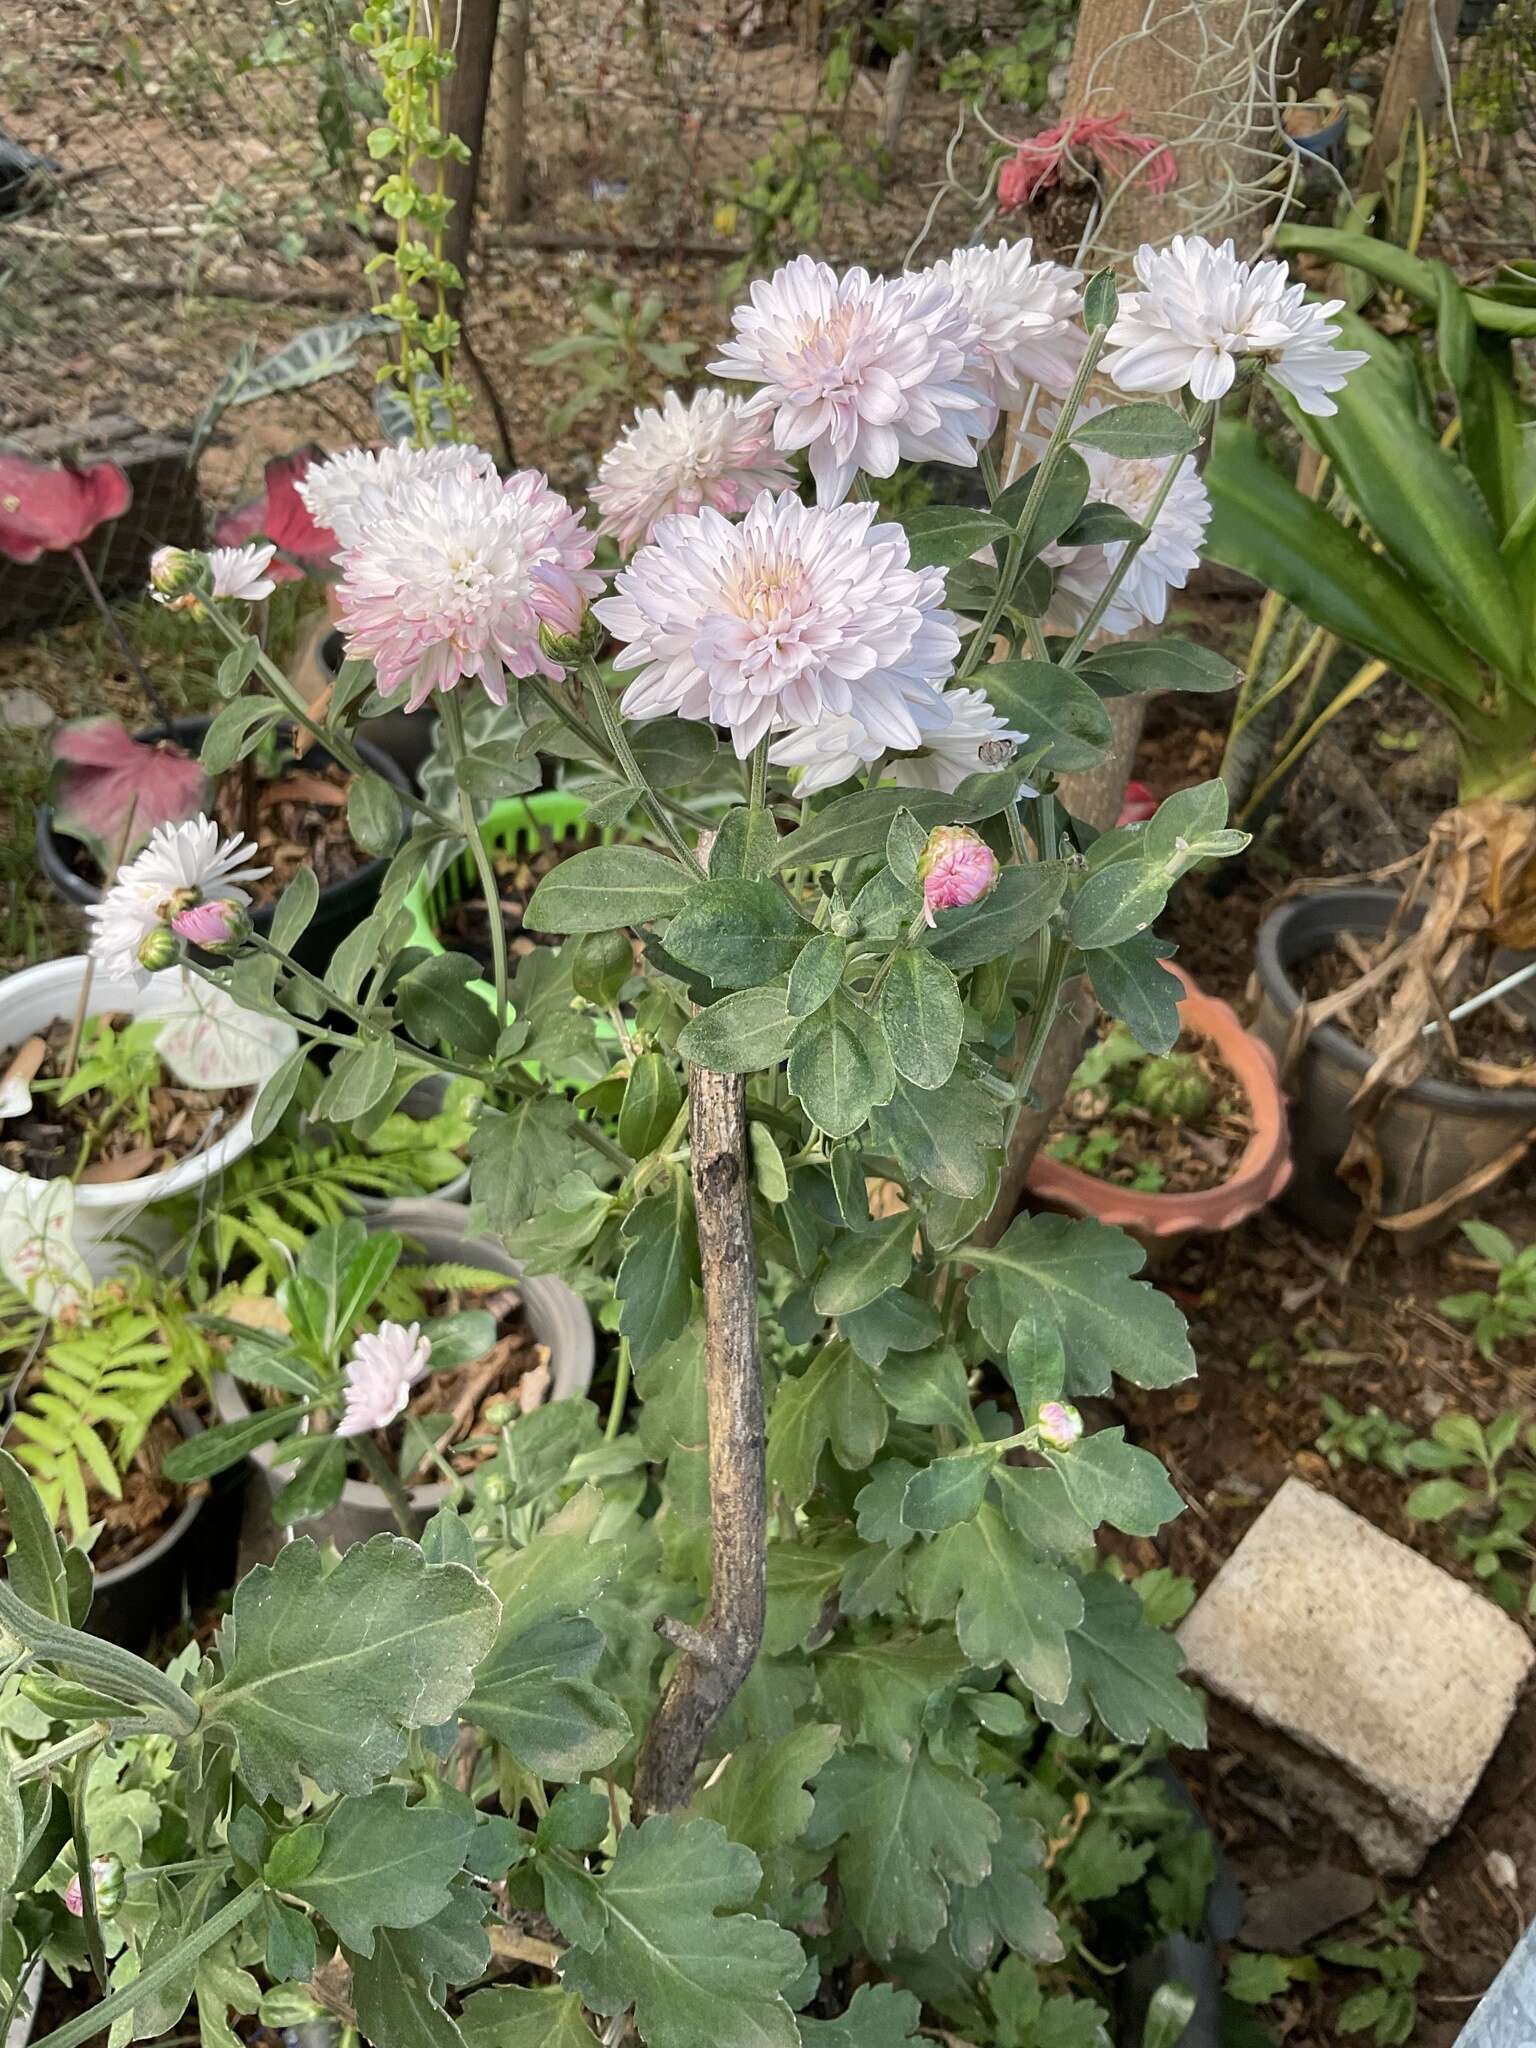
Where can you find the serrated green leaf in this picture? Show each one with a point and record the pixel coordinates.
(1079, 1272)
(866, 1264)
(879, 1690)
(511, 2016)
(905, 1833)
(834, 1401)
(535, 1695)
(518, 1155)
(384, 1864)
(662, 1932)
(1008, 1907)
(1125, 1671)
(1109, 1480)
(1012, 1608)
(760, 1797)
(440, 1007)
(323, 1674)
(880, 2016)
(897, 1321)
(947, 1491)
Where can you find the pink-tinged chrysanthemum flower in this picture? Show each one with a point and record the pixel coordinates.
(1027, 315)
(214, 926)
(380, 1375)
(955, 867)
(1166, 558)
(711, 451)
(454, 578)
(797, 614)
(241, 572)
(1201, 310)
(953, 751)
(827, 753)
(179, 867)
(347, 492)
(1058, 1424)
(862, 372)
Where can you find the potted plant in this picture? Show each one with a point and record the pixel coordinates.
(1165, 1144)
(133, 1094)
(531, 1341)
(109, 1386)
(1387, 1105)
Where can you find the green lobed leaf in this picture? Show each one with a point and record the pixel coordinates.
(512, 2016)
(879, 2016)
(1079, 1272)
(607, 886)
(1012, 1608)
(662, 1931)
(440, 1007)
(1109, 1480)
(1008, 1909)
(834, 1401)
(759, 1798)
(866, 1264)
(947, 1491)
(322, 1673)
(518, 1155)
(1126, 1671)
(879, 1689)
(535, 1695)
(383, 1863)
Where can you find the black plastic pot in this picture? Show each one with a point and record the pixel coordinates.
(343, 905)
(406, 736)
(1431, 1135)
(186, 1566)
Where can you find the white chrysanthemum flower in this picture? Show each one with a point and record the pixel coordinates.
(1201, 310)
(241, 572)
(1027, 313)
(953, 751)
(711, 451)
(861, 371)
(796, 614)
(179, 866)
(454, 578)
(349, 491)
(380, 1374)
(1166, 558)
(827, 753)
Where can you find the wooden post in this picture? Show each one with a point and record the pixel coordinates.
(717, 1655)
(465, 92)
(507, 143)
(1415, 80)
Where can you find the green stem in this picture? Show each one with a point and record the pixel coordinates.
(95, 1947)
(620, 1392)
(588, 734)
(633, 773)
(914, 934)
(152, 696)
(1122, 568)
(42, 1761)
(198, 1943)
(480, 853)
(1045, 468)
(390, 1484)
(758, 794)
(367, 1028)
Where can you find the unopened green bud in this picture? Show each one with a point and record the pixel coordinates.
(499, 1413)
(566, 649)
(158, 949)
(493, 1489)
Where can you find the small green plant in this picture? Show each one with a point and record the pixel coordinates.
(621, 353)
(97, 1391)
(786, 194)
(1486, 1486)
(1371, 1438)
(1016, 73)
(1387, 2010)
(1118, 1081)
(1509, 1308)
(119, 1068)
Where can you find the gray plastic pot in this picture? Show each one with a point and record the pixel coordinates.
(1432, 1135)
(556, 1314)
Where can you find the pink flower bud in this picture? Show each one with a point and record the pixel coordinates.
(956, 867)
(215, 926)
(1059, 1425)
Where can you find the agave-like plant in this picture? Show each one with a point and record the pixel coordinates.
(1425, 558)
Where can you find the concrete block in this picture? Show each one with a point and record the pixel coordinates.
(1373, 1682)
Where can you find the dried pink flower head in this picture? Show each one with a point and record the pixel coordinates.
(955, 867)
(1058, 1425)
(106, 1882)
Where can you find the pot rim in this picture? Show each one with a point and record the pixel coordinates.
(423, 1220)
(1262, 1169)
(182, 1175)
(1463, 1097)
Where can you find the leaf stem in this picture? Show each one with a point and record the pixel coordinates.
(632, 772)
(96, 1948)
(620, 1392)
(390, 1484)
(453, 728)
(152, 696)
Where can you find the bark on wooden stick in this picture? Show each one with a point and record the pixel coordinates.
(717, 1656)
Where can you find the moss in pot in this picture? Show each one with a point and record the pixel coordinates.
(362, 1386)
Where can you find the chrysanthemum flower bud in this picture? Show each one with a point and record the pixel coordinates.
(217, 927)
(158, 949)
(566, 649)
(107, 1881)
(1058, 1425)
(955, 867)
(172, 570)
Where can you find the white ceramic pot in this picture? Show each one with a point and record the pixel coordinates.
(40, 996)
(557, 1315)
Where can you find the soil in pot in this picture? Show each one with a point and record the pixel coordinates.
(464, 928)
(1173, 1125)
(149, 1503)
(92, 1137)
(448, 1408)
(1497, 1034)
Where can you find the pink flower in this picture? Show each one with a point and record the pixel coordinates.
(1059, 1425)
(454, 578)
(345, 493)
(955, 867)
(212, 925)
(1026, 313)
(711, 451)
(380, 1375)
(248, 573)
(861, 372)
(49, 508)
(1137, 804)
(281, 516)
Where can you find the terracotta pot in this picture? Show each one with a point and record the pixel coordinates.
(1260, 1174)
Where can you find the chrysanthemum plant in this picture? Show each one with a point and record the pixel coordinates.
(718, 1717)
